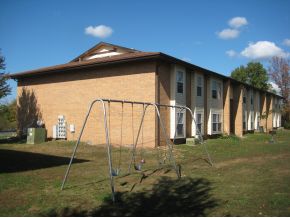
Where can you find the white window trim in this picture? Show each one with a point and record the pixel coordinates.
(219, 122)
(218, 89)
(197, 123)
(199, 85)
(183, 82)
(183, 122)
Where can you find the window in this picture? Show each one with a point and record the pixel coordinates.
(244, 120)
(199, 86)
(180, 125)
(216, 91)
(179, 80)
(252, 101)
(252, 121)
(244, 99)
(216, 123)
(198, 122)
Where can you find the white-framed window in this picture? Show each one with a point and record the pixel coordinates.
(216, 123)
(180, 82)
(216, 90)
(244, 120)
(198, 122)
(252, 121)
(180, 117)
(199, 86)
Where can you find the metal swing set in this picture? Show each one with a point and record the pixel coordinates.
(113, 172)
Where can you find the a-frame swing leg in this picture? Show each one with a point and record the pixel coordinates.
(109, 153)
(200, 137)
(170, 146)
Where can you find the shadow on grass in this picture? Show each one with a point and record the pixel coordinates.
(16, 161)
(168, 197)
(13, 140)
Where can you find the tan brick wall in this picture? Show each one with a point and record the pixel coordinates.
(226, 107)
(238, 109)
(263, 108)
(269, 103)
(70, 93)
(163, 97)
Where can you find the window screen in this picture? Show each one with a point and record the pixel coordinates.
(199, 86)
(179, 80)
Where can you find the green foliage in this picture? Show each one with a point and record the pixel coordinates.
(253, 74)
(4, 87)
(8, 116)
(287, 125)
(240, 74)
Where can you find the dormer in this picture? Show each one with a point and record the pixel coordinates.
(102, 50)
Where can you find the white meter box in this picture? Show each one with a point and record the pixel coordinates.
(61, 127)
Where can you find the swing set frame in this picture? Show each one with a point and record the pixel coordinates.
(169, 144)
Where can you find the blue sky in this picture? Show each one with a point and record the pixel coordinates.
(38, 33)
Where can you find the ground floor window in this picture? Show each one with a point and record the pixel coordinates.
(244, 120)
(180, 124)
(198, 122)
(252, 121)
(216, 123)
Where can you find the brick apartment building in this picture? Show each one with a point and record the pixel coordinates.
(221, 105)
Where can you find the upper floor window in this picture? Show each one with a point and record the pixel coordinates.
(199, 86)
(179, 82)
(216, 90)
(244, 99)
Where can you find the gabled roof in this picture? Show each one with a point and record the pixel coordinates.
(122, 58)
(96, 50)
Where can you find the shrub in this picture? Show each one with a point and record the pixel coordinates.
(287, 125)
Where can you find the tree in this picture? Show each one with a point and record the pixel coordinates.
(240, 74)
(4, 87)
(8, 116)
(279, 71)
(253, 74)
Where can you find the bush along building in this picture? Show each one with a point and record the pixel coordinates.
(62, 93)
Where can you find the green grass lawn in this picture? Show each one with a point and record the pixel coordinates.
(250, 177)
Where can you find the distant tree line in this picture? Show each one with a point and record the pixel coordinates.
(279, 72)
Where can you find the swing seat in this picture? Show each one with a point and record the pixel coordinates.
(138, 167)
(115, 172)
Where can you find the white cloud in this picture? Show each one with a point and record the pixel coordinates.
(263, 50)
(237, 22)
(100, 31)
(228, 34)
(231, 53)
(286, 42)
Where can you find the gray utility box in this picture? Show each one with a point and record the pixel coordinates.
(36, 135)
